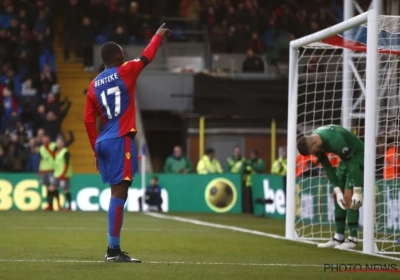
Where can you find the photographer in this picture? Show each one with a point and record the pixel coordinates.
(153, 195)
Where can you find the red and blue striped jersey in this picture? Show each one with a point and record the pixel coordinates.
(112, 95)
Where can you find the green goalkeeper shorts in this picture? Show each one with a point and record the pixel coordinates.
(350, 173)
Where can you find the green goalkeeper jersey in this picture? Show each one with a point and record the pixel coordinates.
(338, 140)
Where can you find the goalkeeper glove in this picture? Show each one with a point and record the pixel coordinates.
(357, 198)
(340, 198)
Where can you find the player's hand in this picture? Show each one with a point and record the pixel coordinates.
(96, 165)
(357, 198)
(162, 31)
(340, 198)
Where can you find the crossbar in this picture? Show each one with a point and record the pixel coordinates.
(333, 30)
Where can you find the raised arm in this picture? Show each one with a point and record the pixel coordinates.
(150, 51)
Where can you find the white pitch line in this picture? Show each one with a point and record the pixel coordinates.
(102, 229)
(255, 232)
(175, 262)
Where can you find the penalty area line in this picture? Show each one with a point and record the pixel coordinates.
(254, 232)
(169, 263)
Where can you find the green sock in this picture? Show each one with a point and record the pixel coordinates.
(352, 222)
(340, 219)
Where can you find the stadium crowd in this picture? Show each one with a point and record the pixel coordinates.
(234, 26)
(29, 101)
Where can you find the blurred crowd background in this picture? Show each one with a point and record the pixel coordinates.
(30, 102)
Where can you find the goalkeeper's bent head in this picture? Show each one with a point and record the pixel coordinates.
(302, 146)
(308, 145)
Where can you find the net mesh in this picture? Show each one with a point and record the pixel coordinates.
(320, 100)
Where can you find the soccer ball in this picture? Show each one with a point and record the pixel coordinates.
(220, 194)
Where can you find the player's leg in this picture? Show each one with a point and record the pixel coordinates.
(45, 179)
(340, 214)
(53, 188)
(356, 179)
(120, 168)
(64, 185)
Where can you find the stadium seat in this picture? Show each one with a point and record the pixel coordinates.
(177, 33)
(133, 40)
(100, 39)
(47, 58)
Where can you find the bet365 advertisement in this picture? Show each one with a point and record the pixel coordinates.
(315, 205)
(180, 193)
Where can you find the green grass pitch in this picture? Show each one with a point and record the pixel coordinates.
(37, 245)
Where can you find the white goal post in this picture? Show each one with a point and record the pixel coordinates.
(311, 86)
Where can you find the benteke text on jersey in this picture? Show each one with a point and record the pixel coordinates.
(105, 80)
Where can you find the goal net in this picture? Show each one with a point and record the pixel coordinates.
(330, 77)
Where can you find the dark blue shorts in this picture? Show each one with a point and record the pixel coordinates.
(117, 160)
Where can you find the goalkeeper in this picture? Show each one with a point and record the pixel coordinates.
(348, 178)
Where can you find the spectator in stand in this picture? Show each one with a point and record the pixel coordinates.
(254, 165)
(193, 11)
(47, 78)
(10, 80)
(279, 166)
(2, 109)
(10, 106)
(252, 63)
(55, 106)
(7, 17)
(236, 162)
(16, 152)
(178, 163)
(52, 124)
(45, 51)
(119, 17)
(134, 21)
(33, 161)
(270, 34)
(337, 8)
(21, 132)
(23, 64)
(238, 39)
(72, 22)
(98, 12)
(3, 47)
(211, 18)
(5, 161)
(255, 43)
(113, 5)
(86, 40)
(23, 18)
(183, 8)
(14, 29)
(29, 94)
(39, 136)
(55, 113)
(12, 123)
(208, 164)
(231, 18)
(253, 23)
(41, 25)
(39, 118)
(120, 37)
(25, 32)
(4, 138)
(218, 40)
